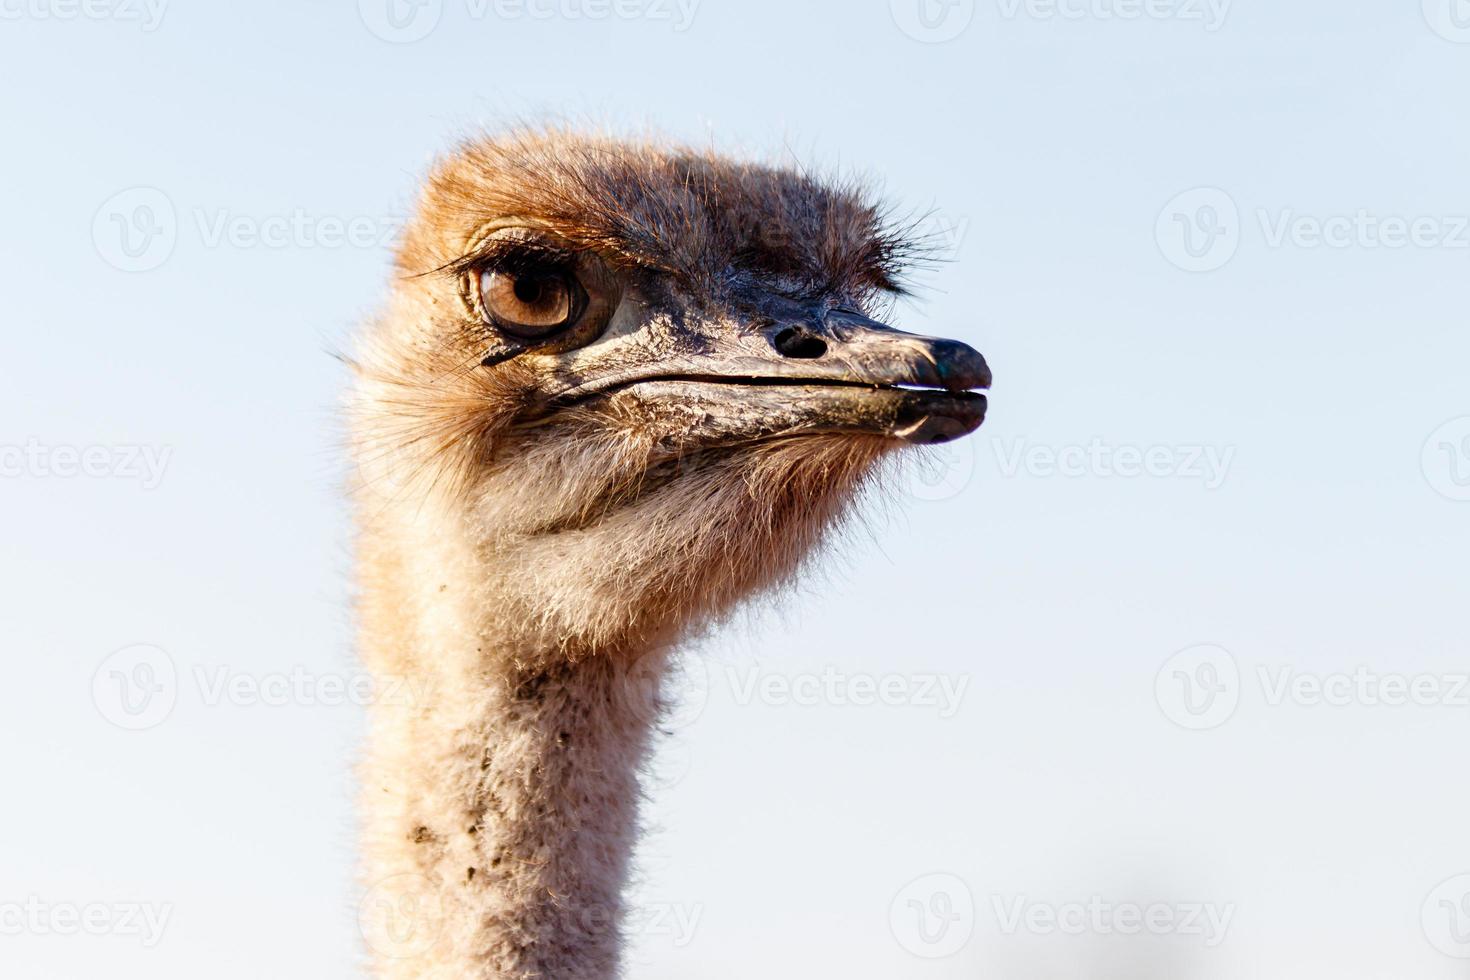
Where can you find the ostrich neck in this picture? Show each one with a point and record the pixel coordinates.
(500, 800)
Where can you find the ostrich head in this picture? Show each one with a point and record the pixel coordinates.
(644, 380)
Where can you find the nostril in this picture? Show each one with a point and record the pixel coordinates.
(797, 343)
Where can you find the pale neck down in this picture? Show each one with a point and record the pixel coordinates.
(499, 801)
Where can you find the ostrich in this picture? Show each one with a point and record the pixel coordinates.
(617, 388)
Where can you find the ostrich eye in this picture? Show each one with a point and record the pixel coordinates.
(535, 291)
(534, 302)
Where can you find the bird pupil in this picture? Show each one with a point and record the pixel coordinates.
(530, 289)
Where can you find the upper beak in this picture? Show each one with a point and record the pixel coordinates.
(840, 371)
(852, 347)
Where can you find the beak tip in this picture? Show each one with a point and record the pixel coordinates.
(934, 421)
(962, 367)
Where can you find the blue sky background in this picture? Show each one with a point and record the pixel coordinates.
(1135, 209)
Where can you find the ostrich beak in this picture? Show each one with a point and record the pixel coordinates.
(837, 371)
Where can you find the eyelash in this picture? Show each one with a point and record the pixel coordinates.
(512, 258)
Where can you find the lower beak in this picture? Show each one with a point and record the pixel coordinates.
(736, 410)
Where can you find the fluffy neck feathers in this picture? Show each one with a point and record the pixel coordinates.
(500, 804)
